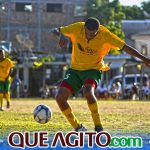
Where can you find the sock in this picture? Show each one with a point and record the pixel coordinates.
(1, 100)
(71, 118)
(7, 95)
(95, 114)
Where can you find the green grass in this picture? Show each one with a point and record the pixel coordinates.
(116, 116)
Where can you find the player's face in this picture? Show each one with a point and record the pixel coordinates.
(2, 54)
(90, 34)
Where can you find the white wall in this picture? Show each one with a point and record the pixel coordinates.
(142, 41)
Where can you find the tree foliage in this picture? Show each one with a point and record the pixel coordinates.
(112, 13)
(146, 9)
(137, 13)
(133, 13)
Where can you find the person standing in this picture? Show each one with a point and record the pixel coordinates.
(6, 66)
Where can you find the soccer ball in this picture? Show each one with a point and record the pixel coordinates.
(42, 114)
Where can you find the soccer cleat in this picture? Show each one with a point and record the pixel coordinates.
(8, 105)
(81, 128)
(98, 128)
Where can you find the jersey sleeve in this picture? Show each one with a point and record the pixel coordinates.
(11, 63)
(114, 41)
(71, 29)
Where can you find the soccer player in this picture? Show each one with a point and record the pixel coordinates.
(6, 66)
(91, 42)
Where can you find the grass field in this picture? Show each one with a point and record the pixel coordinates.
(116, 116)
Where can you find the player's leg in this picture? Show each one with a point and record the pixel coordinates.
(1, 95)
(88, 91)
(67, 87)
(61, 98)
(90, 84)
(7, 93)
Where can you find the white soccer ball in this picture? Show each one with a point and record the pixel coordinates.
(42, 114)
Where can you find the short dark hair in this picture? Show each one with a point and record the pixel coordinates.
(92, 23)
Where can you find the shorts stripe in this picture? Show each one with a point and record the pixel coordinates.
(92, 82)
(66, 85)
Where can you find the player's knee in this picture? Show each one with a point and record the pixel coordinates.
(59, 98)
(62, 96)
(88, 91)
(88, 94)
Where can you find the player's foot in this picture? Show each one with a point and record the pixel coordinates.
(98, 128)
(8, 105)
(81, 128)
(1, 108)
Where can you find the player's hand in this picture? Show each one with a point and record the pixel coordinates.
(6, 79)
(62, 41)
(147, 61)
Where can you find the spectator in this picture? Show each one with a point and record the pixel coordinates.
(113, 91)
(25, 91)
(54, 91)
(15, 87)
(45, 91)
(146, 91)
(101, 91)
(135, 92)
(118, 90)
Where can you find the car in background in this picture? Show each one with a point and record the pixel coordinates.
(127, 82)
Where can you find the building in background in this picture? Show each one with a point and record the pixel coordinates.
(137, 34)
(26, 24)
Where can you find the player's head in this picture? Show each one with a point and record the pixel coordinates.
(2, 54)
(91, 27)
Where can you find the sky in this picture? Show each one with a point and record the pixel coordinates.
(132, 2)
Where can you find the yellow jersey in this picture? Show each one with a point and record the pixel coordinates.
(5, 67)
(86, 54)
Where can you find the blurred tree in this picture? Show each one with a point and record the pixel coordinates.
(112, 13)
(133, 12)
(93, 6)
(146, 9)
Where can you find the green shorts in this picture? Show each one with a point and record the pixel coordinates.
(4, 86)
(74, 79)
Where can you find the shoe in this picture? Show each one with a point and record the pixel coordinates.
(99, 128)
(81, 128)
(1, 108)
(8, 105)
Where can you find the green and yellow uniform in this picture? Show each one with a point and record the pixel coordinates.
(86, 54)
(87, 63)
(5, 67)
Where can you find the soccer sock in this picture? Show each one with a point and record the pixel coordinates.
(95, 114)
(7, 95)
(1, 100)
(71, 118)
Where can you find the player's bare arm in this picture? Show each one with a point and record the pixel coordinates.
(62, 38)
(10, 71)
(132, 51)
